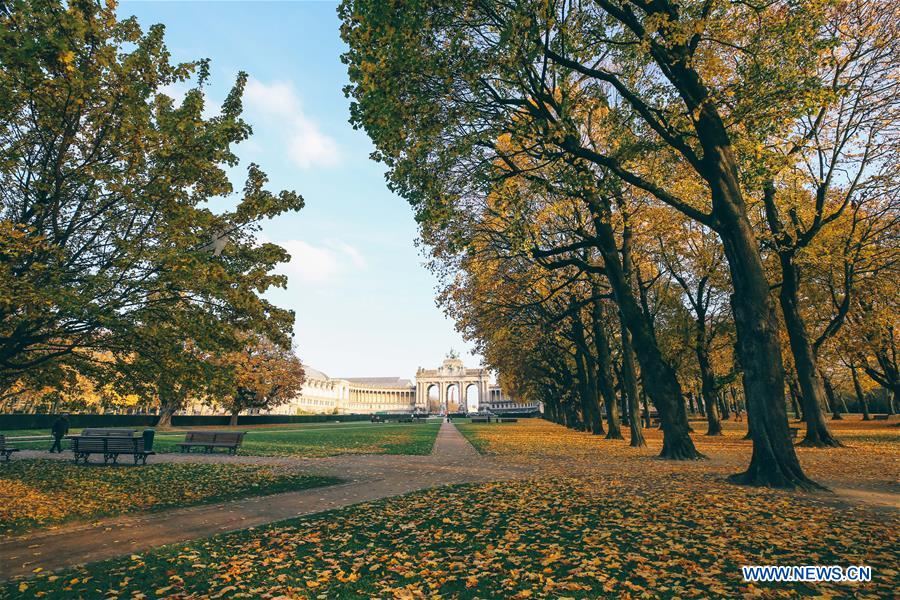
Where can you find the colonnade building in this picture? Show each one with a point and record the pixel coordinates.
(449, 388)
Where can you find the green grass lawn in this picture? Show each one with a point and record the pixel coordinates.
(307, 439)
(43, 493)
(554, 537)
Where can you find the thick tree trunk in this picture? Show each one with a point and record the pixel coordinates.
(234, 419)
(812, 390)
(713, 424)
(165, 416)
(774, 461)
(860, 396)
(658, 375)
(604, 369)
(630, 387)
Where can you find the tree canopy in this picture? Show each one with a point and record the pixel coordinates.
(121, 233)
(674, 163)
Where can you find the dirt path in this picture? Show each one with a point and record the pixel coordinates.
(369, 477)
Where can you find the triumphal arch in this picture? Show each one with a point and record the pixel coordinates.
(452, 374)
(450, 388)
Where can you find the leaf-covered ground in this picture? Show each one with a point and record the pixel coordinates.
(869, 459)
(553, 538)
(42, 493)
(599, 520)
(308, 440)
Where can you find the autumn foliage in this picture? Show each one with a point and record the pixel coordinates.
(669, 207)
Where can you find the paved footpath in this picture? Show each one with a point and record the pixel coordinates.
(367, 477)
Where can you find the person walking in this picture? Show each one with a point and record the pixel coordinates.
(59, 429)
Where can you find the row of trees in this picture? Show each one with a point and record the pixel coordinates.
(129, 266)
(651, 198)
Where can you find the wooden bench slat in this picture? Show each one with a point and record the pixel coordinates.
(109, 446)
(212, 439)
(6, 451)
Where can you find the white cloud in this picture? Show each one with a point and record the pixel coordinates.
(352, 253)
(305, 144)
(324, 264)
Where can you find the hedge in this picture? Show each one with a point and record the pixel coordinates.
(10, 422)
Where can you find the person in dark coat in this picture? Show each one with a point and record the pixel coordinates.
(59, 429)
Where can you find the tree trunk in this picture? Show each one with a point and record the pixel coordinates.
(234, 418)
(586, 375)
(166, 411)
(734, 402)
(812, 390)
(860, 396)
(646, 407)
(713, 424)
(794, 403)
(630, 387)
(832, 400)
(707, 378)
(774, 461)
(658, 375)
(749, 434)
(604, 369)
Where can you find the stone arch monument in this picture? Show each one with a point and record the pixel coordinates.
(451, 372)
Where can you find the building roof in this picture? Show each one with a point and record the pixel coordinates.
(314, 373)
(382, 382)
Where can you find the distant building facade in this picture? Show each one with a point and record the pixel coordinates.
(449, 388)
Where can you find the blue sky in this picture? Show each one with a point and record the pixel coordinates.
(364, 301)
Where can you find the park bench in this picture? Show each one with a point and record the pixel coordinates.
(103, 432)
(480, 420)
(377, 419)
(507, 420)
(109, 446)
(5, 450)
(210, 440)
(881, 417)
